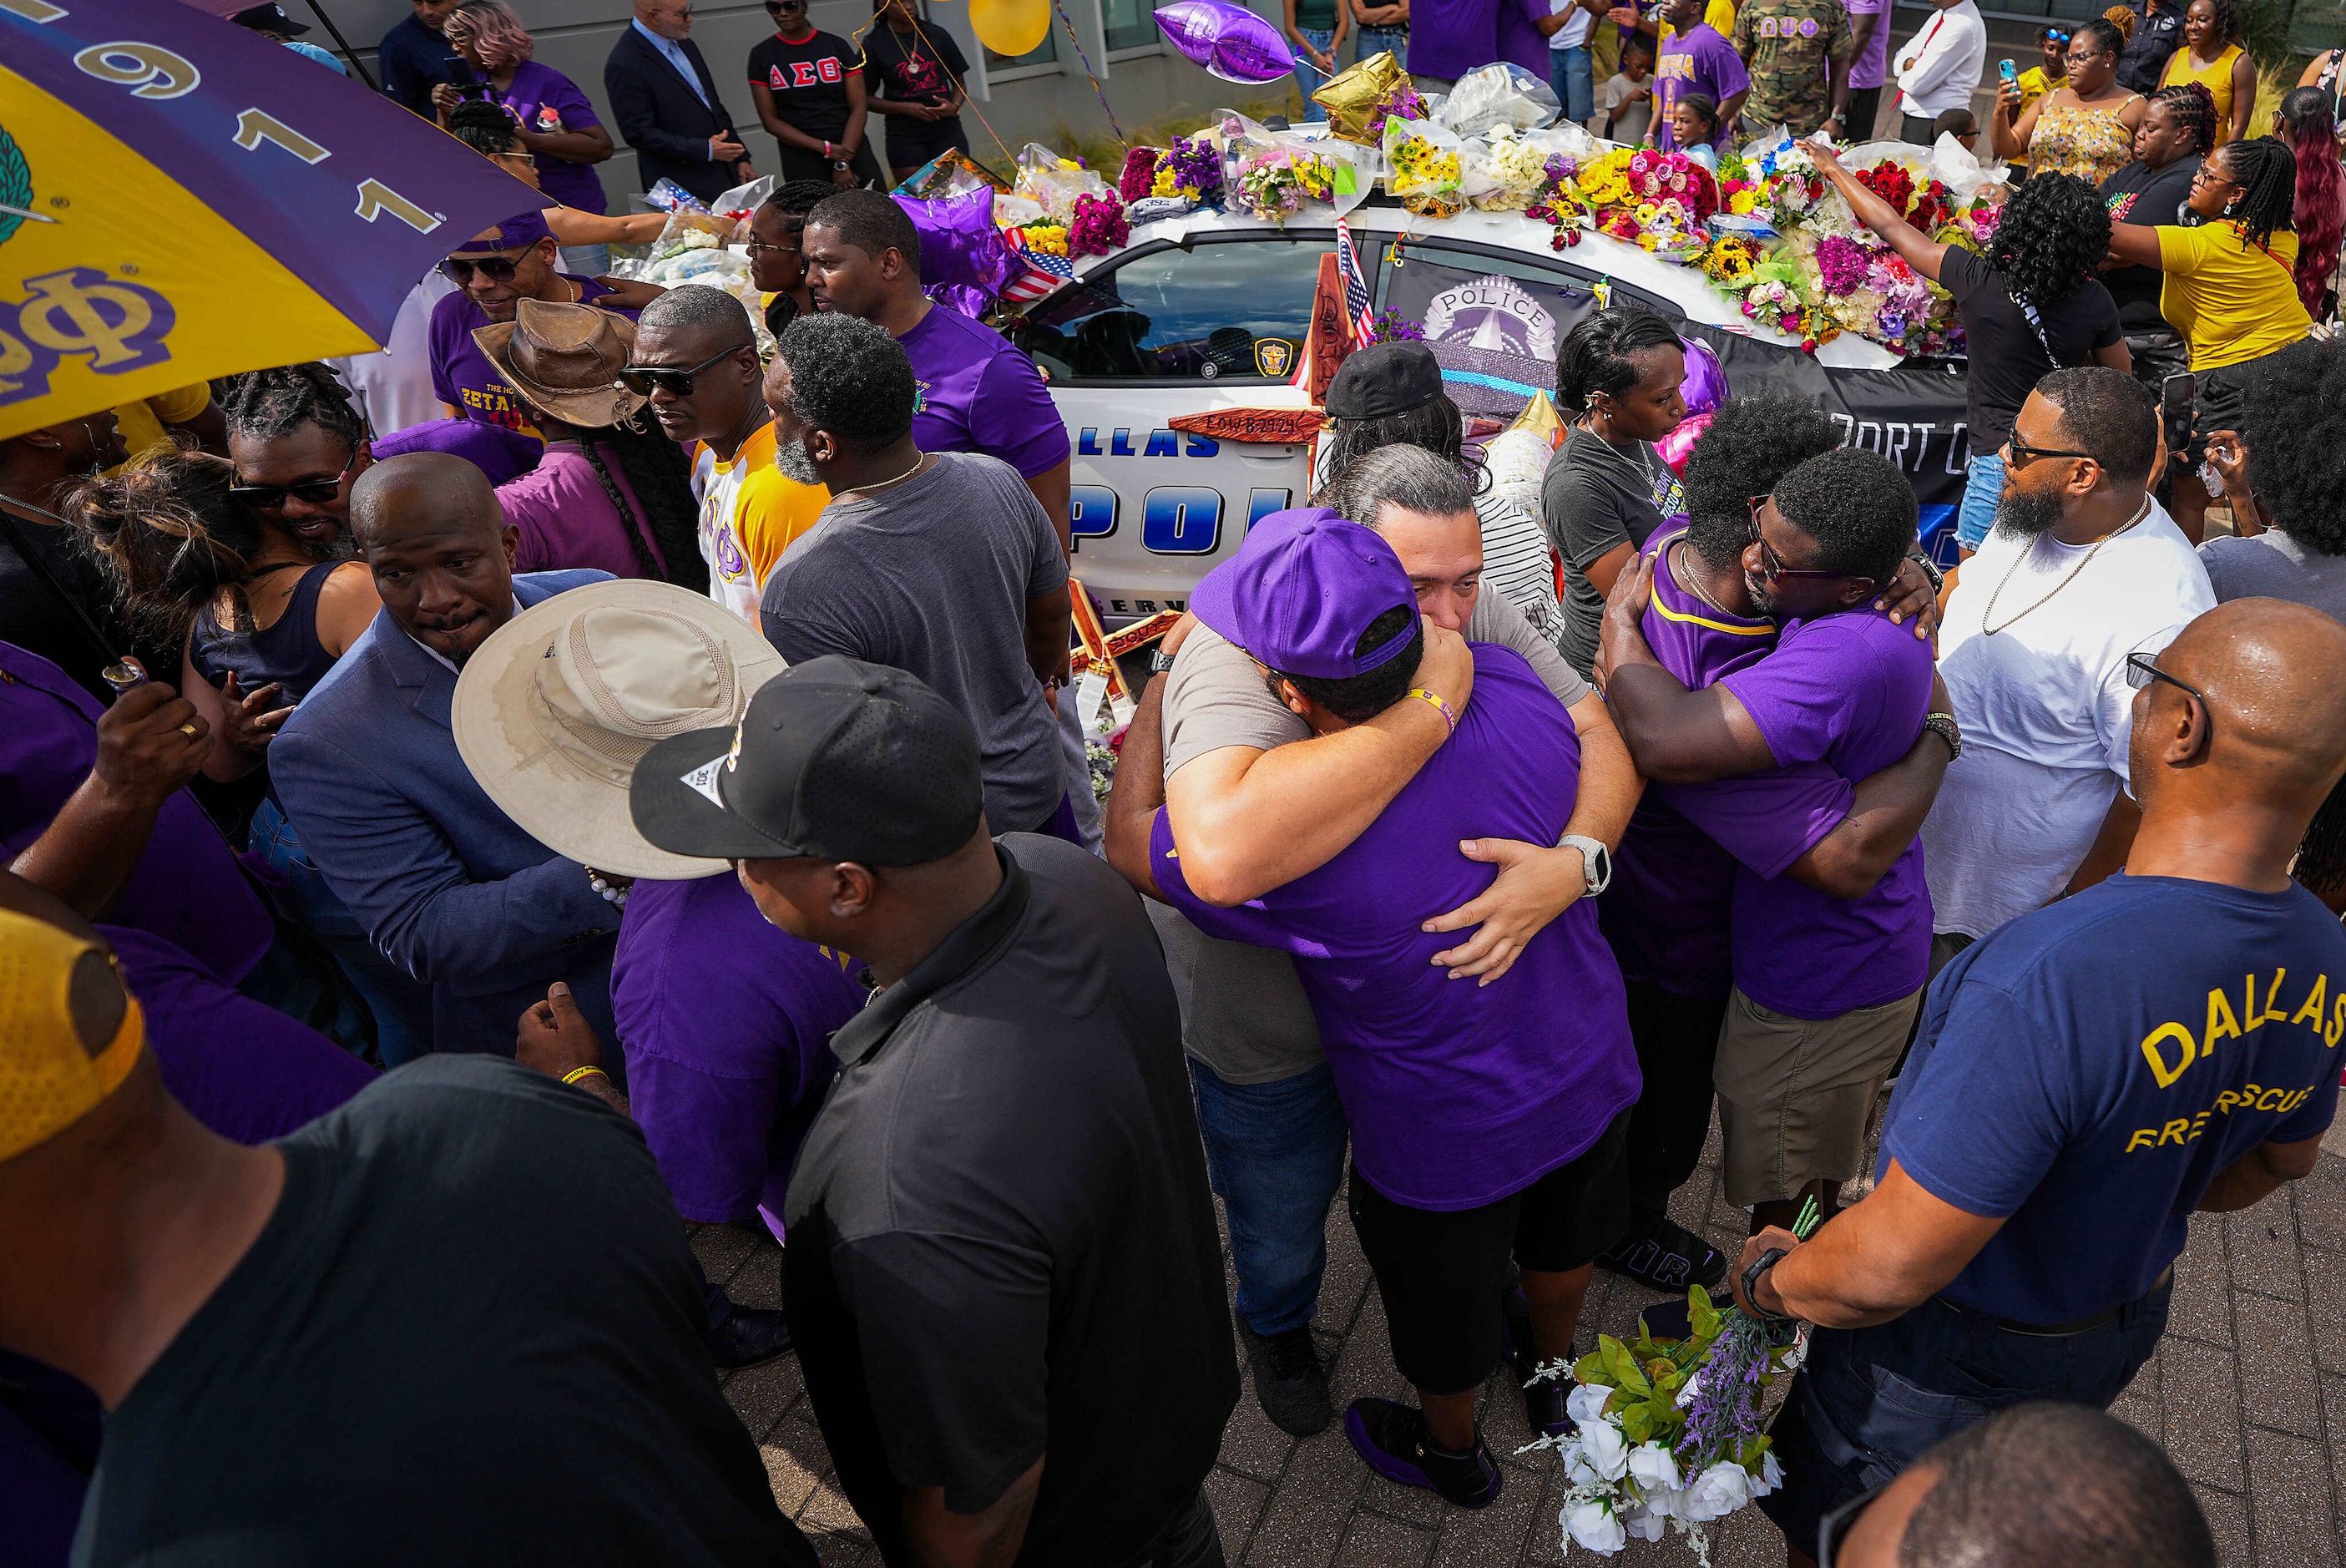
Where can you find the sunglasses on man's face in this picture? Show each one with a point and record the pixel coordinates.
(644, 380)
(2142, 669)
(315, 491)
(496, 268)
(1772, 563)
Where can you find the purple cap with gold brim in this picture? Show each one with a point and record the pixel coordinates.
(523, 228)
(1300, 592)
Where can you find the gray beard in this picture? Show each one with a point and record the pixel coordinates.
(790, 460)
(2021, 515)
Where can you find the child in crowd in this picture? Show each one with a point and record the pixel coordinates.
(1629, 96)
(1694, 124)
(1960, 123)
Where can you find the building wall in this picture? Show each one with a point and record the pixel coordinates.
(1021, 104)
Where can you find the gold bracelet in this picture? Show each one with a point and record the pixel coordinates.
(575, 1073)
(1440, 707)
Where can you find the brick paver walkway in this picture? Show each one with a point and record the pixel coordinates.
(2243, 1394)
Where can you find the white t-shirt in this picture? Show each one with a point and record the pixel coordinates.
(2046, 709)
(1574, 32)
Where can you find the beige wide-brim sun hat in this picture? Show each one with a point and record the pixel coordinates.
(554, 711)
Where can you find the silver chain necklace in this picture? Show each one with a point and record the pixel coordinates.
(1986, 630)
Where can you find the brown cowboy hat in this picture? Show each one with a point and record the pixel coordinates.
(565, 360)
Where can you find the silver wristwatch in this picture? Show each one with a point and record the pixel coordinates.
(1595, 859)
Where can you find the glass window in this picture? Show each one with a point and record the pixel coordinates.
(1130, 25)
(1238, 309)
(1043, 54)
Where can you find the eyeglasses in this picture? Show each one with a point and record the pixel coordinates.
(2018, 453)
(758, 247)
(1772, 563)
(2142, 669)
(1835, 1527)
(775, 8)
(316, 492)
(496, 268)
(644, 380)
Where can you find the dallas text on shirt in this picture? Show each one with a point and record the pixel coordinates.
(2222, 1023)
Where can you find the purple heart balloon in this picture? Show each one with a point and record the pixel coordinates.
(960, 246)
(1705, 386)
(1231, 41)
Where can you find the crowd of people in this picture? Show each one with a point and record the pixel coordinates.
(445, 855)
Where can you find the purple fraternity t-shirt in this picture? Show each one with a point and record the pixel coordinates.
(544, 100)
(244, 1070)
(1849, 690)
(187, 888)
(565, 517)
(977, 394)
(1872, 69)
(1458, 1094)
(1694, 61)
(463, 376)
(725, 1023)
(1668, 913)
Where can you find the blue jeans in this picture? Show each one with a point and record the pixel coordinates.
(1983, 491)
(1276, 1153)
(1572, 74)
(1307, 76)
(1393, 41)
(1870, 1400)
(402, 1005)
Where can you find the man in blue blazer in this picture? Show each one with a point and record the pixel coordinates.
(367, 770)
(665, 103)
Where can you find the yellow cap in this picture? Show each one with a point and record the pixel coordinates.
(48, 1078)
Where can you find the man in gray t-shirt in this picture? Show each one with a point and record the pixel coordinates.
(941, 564)
(1266, 1105)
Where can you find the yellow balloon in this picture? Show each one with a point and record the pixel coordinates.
(1011, 27)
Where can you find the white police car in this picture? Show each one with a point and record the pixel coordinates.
(1210, 313)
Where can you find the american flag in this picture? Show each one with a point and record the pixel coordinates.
(1039, 273)
(1356, 287)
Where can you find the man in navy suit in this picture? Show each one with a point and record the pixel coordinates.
(666, 106)
(367, 769)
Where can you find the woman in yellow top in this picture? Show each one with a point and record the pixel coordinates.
(2211, 56)
(2085, 127)
(2230, 288)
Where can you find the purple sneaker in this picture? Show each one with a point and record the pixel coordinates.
(1391, 1439)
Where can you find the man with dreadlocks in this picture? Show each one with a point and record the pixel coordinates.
(2230, 289)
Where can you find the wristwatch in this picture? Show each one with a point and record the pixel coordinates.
(1595, 859)
(1159, 661)
(1759, 1266)
(1942, 725)
(1931, 569)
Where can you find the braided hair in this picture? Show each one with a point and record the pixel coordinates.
(265, 405)
(487, 128)
(2265, 171)
(169, 536)
(2320, 212)
(2192, 107)
(656, 471)
(1595, 355)
(2054, 231)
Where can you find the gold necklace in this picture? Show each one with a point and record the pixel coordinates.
(870, 490)
(1987, 630)
(1694, 582)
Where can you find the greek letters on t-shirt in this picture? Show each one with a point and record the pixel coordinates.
(825, 72)
(2174, 1048)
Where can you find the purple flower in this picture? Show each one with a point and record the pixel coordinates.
(1841, 263)
(1197, 166)
(1393, 327)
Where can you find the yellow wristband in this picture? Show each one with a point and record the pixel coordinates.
(575, 1073)
(1440, 707)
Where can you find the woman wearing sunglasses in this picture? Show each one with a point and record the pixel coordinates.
(490, 131)
(809, 89)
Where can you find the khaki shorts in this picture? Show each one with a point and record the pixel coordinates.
(1794, 1092)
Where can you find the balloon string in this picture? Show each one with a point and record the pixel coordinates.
(1086, 62)
(968, 102)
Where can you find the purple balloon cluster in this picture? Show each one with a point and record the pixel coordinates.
(963, 262)
(1231, 41)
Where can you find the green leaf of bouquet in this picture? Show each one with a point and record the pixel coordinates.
(1590, 1369)
(1638, 1423)
(1620, 1366)
(1701, 1313)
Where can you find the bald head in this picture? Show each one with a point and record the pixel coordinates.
(2272, 735)
(432, 533)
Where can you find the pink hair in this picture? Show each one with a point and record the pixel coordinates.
(493, 30)
(2320, 213)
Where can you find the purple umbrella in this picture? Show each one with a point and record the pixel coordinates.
(1231, 41)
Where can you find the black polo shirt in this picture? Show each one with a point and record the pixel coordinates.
(1001, 1245)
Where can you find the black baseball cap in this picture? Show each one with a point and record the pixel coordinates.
(834, 760)
(1384, 379)
(270, 18)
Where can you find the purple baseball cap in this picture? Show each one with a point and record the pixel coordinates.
(522, 229)
(1301, 590)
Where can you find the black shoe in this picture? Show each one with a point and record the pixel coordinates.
(1290, 1381)
(1391, 1439)
(749, 1337)
(1543, 1409)
(1663, 1255)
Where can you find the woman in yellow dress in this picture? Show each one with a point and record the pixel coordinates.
(2211, 56)
(2085, 127)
